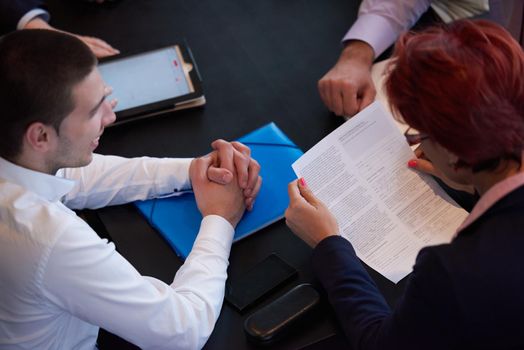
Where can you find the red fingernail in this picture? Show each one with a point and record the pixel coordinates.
(412, 163)
(302, 182)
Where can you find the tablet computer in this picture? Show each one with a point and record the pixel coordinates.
(153, 82)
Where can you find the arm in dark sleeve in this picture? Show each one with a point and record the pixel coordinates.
(11, 11)
(423, 319)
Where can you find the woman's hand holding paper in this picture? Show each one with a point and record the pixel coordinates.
(307, 216)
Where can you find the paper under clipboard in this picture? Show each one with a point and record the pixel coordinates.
(177, 219)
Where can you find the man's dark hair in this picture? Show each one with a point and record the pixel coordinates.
(38, 70)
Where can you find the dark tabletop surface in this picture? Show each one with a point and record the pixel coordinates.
(260, 62)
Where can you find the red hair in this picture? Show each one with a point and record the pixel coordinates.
(463, 85)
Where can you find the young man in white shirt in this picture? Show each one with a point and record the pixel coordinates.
(59, 281)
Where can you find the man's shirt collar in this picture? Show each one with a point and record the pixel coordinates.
(50, 187)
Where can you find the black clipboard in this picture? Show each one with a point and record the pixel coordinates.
(153, 82)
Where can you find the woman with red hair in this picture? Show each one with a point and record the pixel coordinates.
(461, 87)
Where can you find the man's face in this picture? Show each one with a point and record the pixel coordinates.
(80, 131)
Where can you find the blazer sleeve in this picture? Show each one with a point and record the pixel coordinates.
(11, 11)
(424, 317)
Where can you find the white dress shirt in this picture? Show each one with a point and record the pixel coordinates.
(380, 22)
(59, 281)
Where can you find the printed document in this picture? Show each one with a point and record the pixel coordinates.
(387, 211)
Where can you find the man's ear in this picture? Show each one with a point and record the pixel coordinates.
(40, 137)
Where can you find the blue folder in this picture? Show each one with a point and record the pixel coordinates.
(177, 218)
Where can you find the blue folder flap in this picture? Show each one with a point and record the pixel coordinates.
(269, 134)
(177, 218)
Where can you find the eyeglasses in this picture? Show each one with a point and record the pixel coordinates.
(413, 137)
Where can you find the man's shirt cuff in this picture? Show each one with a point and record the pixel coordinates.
(31, 15)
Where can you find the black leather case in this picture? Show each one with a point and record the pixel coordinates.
(273, 320)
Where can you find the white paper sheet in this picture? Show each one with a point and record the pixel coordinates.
(386, 210)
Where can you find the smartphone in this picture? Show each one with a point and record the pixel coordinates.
(262, 279)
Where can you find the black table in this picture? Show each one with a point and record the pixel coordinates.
(260, 62)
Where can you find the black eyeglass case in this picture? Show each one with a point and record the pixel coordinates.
(272, 321)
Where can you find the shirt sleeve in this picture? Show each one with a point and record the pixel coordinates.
(112, 180)
(85, 276)
(30, 15)
(380, 22)
(13, 11)
(424, 318)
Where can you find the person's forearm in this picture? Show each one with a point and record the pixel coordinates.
(358, 303)
(201, 280)
(14, 13)
(380, 22)
(88, 278)
(358, 50)
(37, 23)
(112, 180)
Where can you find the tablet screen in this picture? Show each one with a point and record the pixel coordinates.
(146, 78)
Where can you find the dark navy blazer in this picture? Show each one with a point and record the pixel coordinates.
(468, 294)
(11, 11)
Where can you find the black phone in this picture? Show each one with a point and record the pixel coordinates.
(263, 278)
